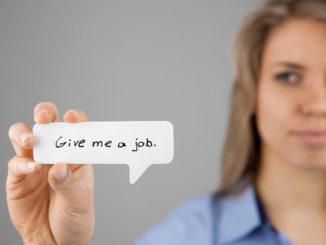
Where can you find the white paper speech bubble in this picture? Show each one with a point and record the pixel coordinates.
(138, 144)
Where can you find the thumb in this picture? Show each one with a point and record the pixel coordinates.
(61, 180)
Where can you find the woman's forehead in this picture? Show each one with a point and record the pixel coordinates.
(301, 40)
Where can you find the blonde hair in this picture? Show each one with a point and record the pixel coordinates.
(241, 153)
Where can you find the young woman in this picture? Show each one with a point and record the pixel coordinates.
(273, 188)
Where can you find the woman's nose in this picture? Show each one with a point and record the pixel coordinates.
(315, 100)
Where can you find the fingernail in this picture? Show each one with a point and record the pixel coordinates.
(24, 136)
(42, 111)
(61, 173)
(31, 165)
(75, 112)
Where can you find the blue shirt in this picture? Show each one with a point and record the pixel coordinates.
(215, 220)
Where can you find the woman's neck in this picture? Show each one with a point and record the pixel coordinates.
(288, 190)
(294, 199)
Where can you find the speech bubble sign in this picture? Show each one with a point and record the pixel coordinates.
(138, 144)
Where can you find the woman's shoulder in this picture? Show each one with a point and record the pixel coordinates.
(189, 223)
(199, 208)
(209, 219)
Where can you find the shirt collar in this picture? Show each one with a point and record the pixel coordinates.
(239, 215)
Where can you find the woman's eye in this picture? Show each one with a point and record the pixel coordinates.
(288, 77)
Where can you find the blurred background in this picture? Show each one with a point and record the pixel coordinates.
(124, 60)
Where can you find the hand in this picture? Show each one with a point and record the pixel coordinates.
(49, 203)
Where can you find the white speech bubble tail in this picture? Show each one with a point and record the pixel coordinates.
(136, 170)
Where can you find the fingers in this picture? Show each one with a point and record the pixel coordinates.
(75, 190)
(61, 179)
(22, 139)
(18, 167)
(75, 115)
(21, 135)
(46, 112)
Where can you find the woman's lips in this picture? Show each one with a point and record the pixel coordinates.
(312, 137)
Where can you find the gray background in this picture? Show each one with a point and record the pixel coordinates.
(124, 60)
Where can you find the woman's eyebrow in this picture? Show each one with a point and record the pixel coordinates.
(290, 65)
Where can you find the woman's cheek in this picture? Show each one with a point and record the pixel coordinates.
(273, 116)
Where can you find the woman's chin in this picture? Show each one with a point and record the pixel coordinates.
(313, 158)
(311, 164)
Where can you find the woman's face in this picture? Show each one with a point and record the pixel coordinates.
(291, 94)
